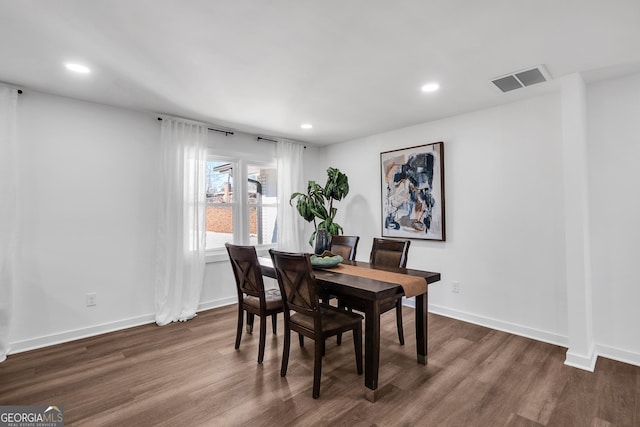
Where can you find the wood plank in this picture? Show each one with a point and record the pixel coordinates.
(542, 396)
(515, 420)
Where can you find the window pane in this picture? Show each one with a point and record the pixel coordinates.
(262, 204)
(220, 208)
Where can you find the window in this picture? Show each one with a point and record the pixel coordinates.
(241, 203)
(220, 204)
(262, 204)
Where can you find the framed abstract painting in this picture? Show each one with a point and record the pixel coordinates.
(413, 192)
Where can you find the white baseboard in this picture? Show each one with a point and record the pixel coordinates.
(620, 355)
(76, 334)
(512, 328)
(208, 305)
(586, 362)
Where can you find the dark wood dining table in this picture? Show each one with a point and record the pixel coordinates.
(366, 294)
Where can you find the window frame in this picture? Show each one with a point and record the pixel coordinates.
(240, 217)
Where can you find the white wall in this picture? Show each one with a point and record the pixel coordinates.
(614, 175)
(504, 198)
(89, 217)
(89, 201)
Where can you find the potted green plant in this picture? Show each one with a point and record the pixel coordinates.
(317, 205)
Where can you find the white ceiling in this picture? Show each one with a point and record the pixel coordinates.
(350, 67)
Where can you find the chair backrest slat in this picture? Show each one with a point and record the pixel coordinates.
(390, 252)
(246, 269)
(297, 282)
(345, 246)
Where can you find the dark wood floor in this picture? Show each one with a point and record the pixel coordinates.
(189, 374)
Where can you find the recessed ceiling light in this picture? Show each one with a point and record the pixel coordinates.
(430, 87)
(77, 68)
(306, 126)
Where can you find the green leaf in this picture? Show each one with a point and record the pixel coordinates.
(319, 211)
(337, 186)
(304, 210)
(334, 229)
(294, 195)
(334, 211)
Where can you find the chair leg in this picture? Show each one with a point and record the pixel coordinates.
(357, 344)
(285, 350)
(240, 322)
(339, 336)
(317, 366)
(301, 338)
(250, 318)
(274, 323)
(263, 336)
(399, 320)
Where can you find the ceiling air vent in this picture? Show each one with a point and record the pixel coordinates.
(521, 79)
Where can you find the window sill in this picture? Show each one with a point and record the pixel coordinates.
(220, 254)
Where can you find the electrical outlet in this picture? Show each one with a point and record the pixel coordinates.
(91, 299)
(455, 287)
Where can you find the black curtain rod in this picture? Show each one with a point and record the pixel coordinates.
(270, 140)
(266, 139)
(226, 132)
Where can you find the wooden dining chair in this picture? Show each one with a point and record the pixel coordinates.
(310, 318)
(345, 246)
(385, 253)
(391, 253)
(252, 296)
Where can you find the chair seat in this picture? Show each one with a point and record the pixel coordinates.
(388, 304)
(333, 319)
(272, 298)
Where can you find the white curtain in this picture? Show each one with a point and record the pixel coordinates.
(290, 180)
(9, 215)
(181, 225)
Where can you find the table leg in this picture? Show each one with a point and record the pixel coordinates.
(371, 350)
(421, 327)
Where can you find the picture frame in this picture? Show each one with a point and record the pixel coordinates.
(412, 190)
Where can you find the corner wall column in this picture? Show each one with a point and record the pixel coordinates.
(581, 352)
